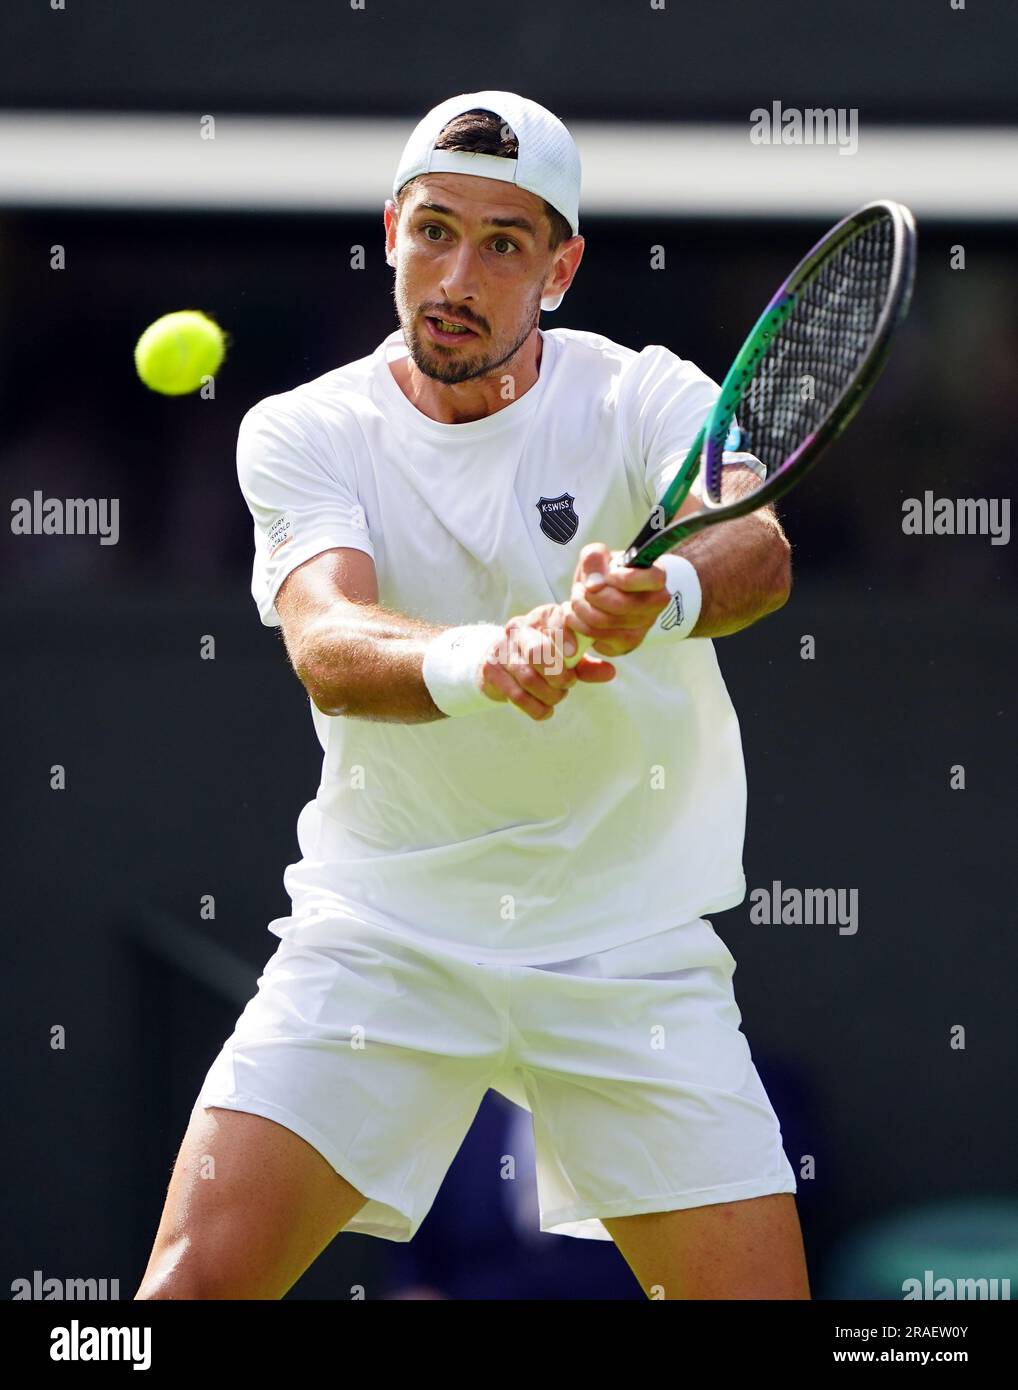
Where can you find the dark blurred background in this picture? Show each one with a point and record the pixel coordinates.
(185, 776)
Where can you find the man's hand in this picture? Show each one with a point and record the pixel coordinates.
(527, 667)
(617, 606)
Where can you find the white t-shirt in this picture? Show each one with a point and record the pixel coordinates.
(499, 837)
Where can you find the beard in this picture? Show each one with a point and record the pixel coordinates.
(453, 365)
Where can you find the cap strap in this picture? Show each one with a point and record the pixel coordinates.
(485, 166)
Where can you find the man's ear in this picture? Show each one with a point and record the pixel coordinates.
(390, 255)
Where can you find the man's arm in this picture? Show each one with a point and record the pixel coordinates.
(744, 566)
(355, 658)
(350, 656)
(744, 569)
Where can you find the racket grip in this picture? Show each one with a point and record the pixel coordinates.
(582, 643)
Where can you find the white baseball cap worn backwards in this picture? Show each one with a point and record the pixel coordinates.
(548, 162)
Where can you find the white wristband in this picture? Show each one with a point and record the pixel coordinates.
(681, 615)
(452, 666)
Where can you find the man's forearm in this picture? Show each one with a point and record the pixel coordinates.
(745, 572)
(359, 659)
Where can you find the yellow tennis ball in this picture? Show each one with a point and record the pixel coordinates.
(175, 352)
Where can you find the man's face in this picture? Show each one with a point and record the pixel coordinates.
(473, 250)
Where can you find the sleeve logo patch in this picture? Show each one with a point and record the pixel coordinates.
(280, 531)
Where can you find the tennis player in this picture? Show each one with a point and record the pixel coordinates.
(505, 870)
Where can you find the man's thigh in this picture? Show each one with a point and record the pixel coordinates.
(249, 1207)
(338, 1102)
(747, 1249)
(642, 1086)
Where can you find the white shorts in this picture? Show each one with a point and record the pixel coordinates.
(642, 1089)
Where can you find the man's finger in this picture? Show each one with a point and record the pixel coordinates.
(534, 683)
(541, 648)
(595, 559)
(606, 608)
(510, 690)
(534, 659)
(595, 555)
(594, 670)
(631, 579)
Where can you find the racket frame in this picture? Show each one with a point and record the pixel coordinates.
(706, 453)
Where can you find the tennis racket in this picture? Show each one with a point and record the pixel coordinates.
(798, 379)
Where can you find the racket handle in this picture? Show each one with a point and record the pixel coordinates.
(582, 643)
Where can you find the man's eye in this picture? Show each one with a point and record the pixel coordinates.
(505, 242)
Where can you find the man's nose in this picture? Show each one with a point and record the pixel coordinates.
(460, 273)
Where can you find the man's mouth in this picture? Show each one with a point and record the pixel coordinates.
(448, 330)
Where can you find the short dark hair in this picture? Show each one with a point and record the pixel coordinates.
(482, 132)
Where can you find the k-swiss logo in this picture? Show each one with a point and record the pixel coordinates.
(672, 615)
(558, 520)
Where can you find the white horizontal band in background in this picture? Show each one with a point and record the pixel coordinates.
(297, 164)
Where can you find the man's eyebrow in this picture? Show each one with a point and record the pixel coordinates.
(521, 222)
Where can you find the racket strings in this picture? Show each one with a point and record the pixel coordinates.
(816, 354)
